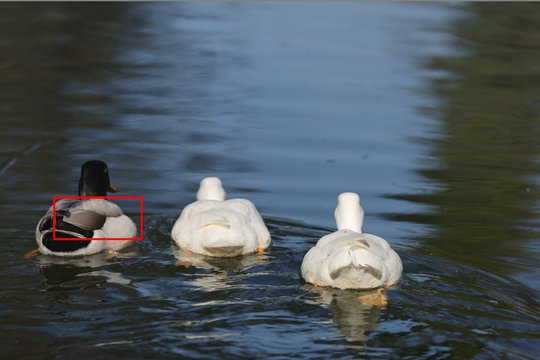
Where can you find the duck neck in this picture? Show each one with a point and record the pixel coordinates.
(211, 189)
(91, 189)
(349, 214)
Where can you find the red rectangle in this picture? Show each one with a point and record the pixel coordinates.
(131, 197)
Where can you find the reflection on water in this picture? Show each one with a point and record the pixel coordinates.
(353, 318)
(219, 273)
(77, 273)
(290, 104)
(485, 157)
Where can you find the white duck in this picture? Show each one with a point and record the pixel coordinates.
(214, 226)
(86, 218)
(349, 259)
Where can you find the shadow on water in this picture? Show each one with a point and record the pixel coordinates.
(47, 49)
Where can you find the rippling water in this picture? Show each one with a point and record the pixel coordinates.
(429, 111)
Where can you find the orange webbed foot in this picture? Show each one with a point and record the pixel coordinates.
(377, 298)
(184, 263)
(31, 254)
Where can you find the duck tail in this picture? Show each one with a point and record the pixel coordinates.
(356, 266)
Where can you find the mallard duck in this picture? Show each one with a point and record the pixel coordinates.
(214, 226)
(86, 218)
(348, 258)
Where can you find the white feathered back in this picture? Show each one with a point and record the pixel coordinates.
(217, 227)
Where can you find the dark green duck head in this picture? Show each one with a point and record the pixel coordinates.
(95, 179)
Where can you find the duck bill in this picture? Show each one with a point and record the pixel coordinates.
(112, 188)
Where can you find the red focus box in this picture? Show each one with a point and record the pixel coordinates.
(128, 197)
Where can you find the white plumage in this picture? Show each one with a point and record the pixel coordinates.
(349, 259)
(214, 226)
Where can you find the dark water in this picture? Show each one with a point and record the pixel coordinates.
(429, 111)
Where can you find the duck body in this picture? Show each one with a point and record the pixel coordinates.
(217, 227)
(86, 219)
(348, 258)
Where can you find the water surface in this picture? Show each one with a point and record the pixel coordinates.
(429, 111)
